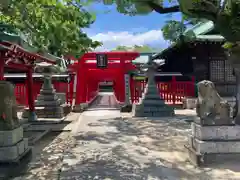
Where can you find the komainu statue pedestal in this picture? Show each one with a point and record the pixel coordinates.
(214, 136)
(12, 144)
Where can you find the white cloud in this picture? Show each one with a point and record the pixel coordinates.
(112, 39)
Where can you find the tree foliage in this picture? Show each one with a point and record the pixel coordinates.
(172, 30)
(137, 48)
(51, 25)
(133, 7)
(224, 14)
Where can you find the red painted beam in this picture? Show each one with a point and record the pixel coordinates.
(114, 55)
(18, 66)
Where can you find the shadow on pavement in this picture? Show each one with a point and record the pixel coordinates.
(135, 151)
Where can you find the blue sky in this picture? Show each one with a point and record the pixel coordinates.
(113, 28)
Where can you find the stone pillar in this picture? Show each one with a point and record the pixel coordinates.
(127, 89)
(12, 144)
(151, 104)
(127, 107)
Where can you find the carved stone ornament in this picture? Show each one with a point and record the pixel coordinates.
(210, 107)
(8, 107)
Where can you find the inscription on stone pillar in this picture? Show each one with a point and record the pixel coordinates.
(127, 88)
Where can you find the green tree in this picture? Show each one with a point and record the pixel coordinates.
(172, 30)
(133, 7)
(137, 48)
(53, 25)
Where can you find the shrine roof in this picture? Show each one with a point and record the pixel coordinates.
(16, 39)
(16, 44)
(200, 32)
(20, 51)
(200, 28)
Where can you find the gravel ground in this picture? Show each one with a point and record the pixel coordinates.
(47, 155)
(110, 148)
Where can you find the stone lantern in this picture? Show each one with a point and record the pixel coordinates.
(48, 99)
(151, 103)
(48, 104)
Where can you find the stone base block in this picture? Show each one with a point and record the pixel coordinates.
(80, 107)
(153, 114)
(217, 122)
(126, 108)
(153, 102)
(216, 132)
(189, 103)
(202, 147)
(44, 103)
(46, 112)
(47, 97)
(152, 96)
(143, 111)
(13, 152)
(48, 91)
(203, 160)
(8, 138)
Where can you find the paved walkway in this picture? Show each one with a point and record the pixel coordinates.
(105, 146)
(108, 147)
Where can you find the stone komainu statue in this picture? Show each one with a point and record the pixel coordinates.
(209, 104)
(8, 107)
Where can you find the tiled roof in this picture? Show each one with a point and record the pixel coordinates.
(199, 32)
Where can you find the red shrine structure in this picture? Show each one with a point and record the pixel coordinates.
(15, 57)
(95, 67)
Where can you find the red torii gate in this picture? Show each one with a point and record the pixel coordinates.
(15, 57)
(89, 75)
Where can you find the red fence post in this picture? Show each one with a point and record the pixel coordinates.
(32, 115)
(174, 89)
(2, 63)
(193, 87)
(71, 89)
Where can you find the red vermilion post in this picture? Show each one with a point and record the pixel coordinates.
(174, 89)
(2, 63)
(32, 115)
(193, 87)
(121, 80)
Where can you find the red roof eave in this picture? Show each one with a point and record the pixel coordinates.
(18, 49)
